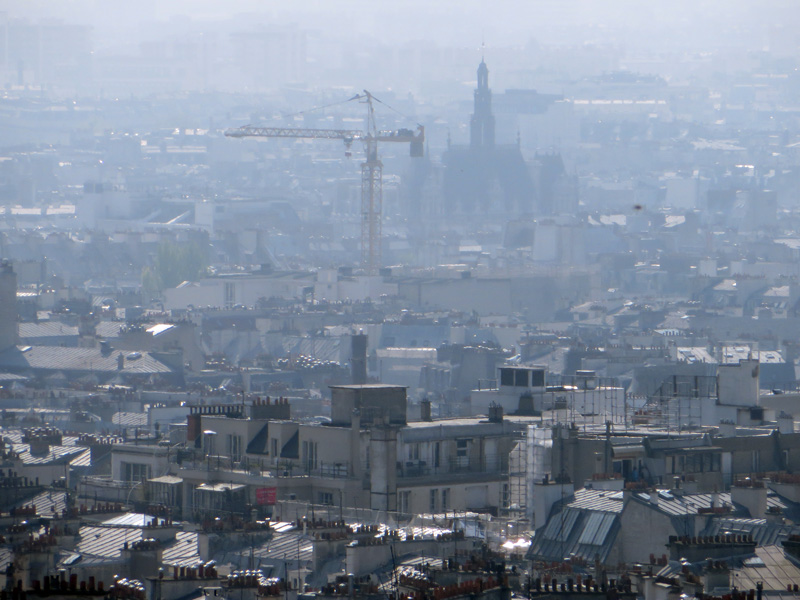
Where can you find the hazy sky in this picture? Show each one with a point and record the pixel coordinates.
(463, 22)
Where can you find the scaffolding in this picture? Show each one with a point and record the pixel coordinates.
(677, 404)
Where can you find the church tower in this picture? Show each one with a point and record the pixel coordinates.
(482, 124)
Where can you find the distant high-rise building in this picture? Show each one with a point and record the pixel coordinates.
(8, 306)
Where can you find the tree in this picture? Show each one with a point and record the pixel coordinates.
(173, 264)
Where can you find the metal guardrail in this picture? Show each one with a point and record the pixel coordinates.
(99, 481)
(454, 467)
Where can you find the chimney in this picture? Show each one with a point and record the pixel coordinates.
(716, 574)
(120, 361)
(425, 410)
(39, 447)
(598, 464)
(752, 494)
(105, 348)
(358, 360)
(495, 413)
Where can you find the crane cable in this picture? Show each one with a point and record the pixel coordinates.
(324, 106)
(405, 116)
(356, 97)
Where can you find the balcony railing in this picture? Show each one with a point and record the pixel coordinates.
(458, 466)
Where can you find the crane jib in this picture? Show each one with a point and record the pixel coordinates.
(371, 170)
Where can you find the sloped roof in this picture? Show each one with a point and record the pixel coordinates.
(577, 532)
(55, 455)
(184, 552)
(106, 542)
(47, 503)
(764, 533)
(281, 546)
(43, 329)
(57, 358)
(603, 500)
(773, 568)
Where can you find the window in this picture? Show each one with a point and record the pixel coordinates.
(505, 500)
(445, 499)
(507, 377)
(462, 453)
(230, 293)
(274, 447)
(434, 500)
(521, 378)
(413, 452)
(326, 498)
(135, 471)
(235, 447)
(436, 455)
(756, 461)
(310, 455)
(404, 502)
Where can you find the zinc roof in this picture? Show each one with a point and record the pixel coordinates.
(775, 570)
(576, 532)
(129, 419)
(57, 358)
(184, 551)
(132, 520)
(281, 547)
(56, 454)
(46, 503)
(106, 542)
(762, 532)
(603, 500)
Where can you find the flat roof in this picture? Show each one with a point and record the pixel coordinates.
(368, 386)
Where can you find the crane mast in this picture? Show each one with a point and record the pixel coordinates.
(371, 169)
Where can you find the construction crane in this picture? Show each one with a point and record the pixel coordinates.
(371, 168)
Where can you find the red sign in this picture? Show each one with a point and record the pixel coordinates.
(267, 495)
